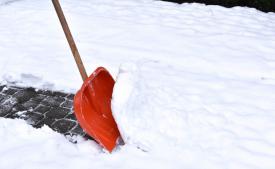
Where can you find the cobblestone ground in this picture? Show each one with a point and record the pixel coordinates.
(40, 107)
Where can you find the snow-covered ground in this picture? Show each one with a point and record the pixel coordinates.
(194, 83)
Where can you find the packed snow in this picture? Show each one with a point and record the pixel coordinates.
(194, 83)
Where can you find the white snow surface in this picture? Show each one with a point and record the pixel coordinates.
(194, 83)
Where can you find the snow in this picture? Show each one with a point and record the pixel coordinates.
(24, 147)
(215, 120)
(193, 88)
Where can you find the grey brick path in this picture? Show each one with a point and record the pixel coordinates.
(40, 107)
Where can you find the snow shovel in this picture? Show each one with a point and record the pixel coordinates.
(92, 103)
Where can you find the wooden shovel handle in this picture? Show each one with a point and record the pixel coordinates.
(70, 39)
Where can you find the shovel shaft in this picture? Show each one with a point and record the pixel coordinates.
(70, 39)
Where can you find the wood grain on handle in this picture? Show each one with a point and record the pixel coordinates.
(70, 39)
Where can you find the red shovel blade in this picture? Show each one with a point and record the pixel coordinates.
(92, 106)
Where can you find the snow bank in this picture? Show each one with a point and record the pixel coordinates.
(23, 147)
(218, 121)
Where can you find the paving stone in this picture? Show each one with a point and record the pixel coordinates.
(45, 92)
(70, 96)
(24, 95)
(45, 121)
(3, 98)
(5, 109)
(34, 118)
(30, 104)
(78, 130)
(53, 101)
(67, 104)
(19, 88)
(42, 109)
(18, 107)
(17, 114)
(21, 115)
(57, 112)
(11, 116)
(63, 125)
(1, 87)
(9, 91)
(52, 93)
(71, 117)
(59, 94)
(38, 125)
(39, 97)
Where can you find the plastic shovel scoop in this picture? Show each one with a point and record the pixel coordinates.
(92, 103)
(92, 106)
